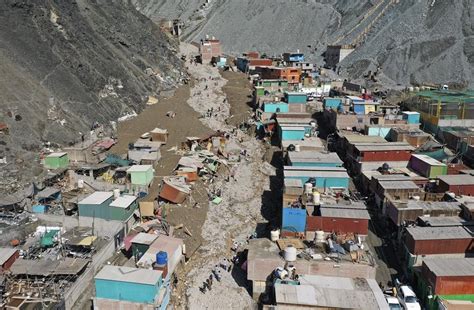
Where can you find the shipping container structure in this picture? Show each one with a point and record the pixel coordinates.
(440, 240)
(128, 284)
(427, 166)
(378, 130)
(7, 257)
(411, 117)
(390, 151)
(457, 139)
(95, 205)
(339, 219)
(449, 276)
(324, 179)
(314, 159)
(59, 160)
(460, 184)
(415, 137)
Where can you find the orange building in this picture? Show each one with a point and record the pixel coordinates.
(292, 75)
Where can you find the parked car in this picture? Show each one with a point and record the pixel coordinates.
(393, 303)
(408, 298)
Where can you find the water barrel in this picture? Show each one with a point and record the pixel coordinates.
(297, 148)
(308, 188)
(290, 254)
(319, 236)
(116, 193)
(80, 183)
(316, 198)
(275, 235)
(161, 258)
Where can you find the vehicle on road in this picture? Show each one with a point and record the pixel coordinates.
(408, 298)
(393, 303)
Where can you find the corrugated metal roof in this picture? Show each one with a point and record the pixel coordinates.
(139, 168)
(345, 213)
(398, 185)
(5, 254)
(444, 221)
(380, 147)
(439, 233)
(314, 156)
(96, 198)
(429, 160)
(457, 179)
(123, 202)
(352, 138)
(293, 183)
(57, 154)
(144, 238)
(295, 295)
(316, 174)
(451, 267)
(129, 274)
(302, 168)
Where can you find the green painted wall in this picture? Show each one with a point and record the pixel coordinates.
(469, 297)
(438, 170)
(104, 211)
(56, 162)
(142, 178)
(139, 248)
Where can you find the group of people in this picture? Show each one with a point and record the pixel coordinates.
(224, 265)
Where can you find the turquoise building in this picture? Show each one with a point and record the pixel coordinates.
(292, 133)
(119, 283)
(275, 107)
(332, 103)
(295, 97)
(324, 177)
(103, 205)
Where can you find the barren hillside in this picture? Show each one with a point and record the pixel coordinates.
(65, 65)
(412, 41)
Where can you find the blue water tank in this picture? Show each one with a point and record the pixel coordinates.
(161, 258)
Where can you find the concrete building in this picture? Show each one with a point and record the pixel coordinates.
(336, 53)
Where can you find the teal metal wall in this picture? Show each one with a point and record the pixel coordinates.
(134, 292)
(272, 107)
(292, 135)
(325, 182)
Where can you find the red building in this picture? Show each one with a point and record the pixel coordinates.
(7, 257)
(390, 151)
(460, 184)
(340, 219)
(259, 62)
(449, 276)
(440, 240)
(209, 49)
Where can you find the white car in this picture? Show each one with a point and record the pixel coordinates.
(408, 298)
(393, 303)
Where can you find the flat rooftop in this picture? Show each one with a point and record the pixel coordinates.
(129, 274)
(457, 179)
(450, 267)
(311, 156)
(325, 291)
(380, 147)
(429, 160)
(440, 233)
(144, 238)
(96, 198)
(123, 201)
(345, 213)
(398, 185)
(139, 168)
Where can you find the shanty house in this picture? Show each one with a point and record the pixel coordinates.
(390, 151)
(324, 178)
(341, 219)
(449, 278)
(122, 208)
(332, 103)
(95, 205)
(141, 243)
(275, 107)
(159, 135)
(56, 160)
(141, 175)
(292, 132)
(293, 97)
(427, 166)
(460, 184)
(314, 159)
(122, 283)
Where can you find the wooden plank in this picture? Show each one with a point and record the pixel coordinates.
(284, 243)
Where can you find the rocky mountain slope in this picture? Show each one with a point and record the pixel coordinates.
(412, 41)
(67, 65)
